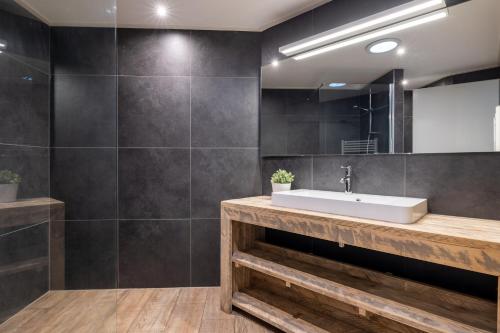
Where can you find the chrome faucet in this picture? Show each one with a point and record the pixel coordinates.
(346, 180)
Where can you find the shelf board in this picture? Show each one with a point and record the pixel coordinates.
(22, 266)
(289, 320)
(375, 297)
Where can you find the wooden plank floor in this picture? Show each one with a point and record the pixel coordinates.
(176, 310)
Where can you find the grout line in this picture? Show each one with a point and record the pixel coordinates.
(117, 197)
(190, 162)
(24, 146)
(312, 172)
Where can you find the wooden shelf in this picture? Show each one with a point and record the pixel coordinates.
(416, 305)
(273, 315)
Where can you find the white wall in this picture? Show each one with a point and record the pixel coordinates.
(455, 118)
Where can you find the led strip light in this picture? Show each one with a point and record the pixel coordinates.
(390, 16)
(440, 14)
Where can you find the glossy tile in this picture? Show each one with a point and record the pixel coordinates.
(91, 254)
(154, 254)
(225, 112)
(85, 180)
(225, 53)
(153, 52)
(205, 252)
(154, 111)
(28, 40)
(84, 111)
(24, 104)
(154, 183)
(86, 50)
(221, 174)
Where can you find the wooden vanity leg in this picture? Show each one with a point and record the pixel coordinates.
(226, 242)
(498, 306)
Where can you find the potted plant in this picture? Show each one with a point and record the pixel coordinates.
(9, 183)
(282, 180)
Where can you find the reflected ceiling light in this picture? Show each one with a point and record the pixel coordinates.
(376, 34)
(161, 11)
(275, 63)
(404, 82)
(383, 45)
(401, 51)
(3, 44)
(337, 84)
(417, 7)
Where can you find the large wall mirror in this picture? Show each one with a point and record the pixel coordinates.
(433, 88)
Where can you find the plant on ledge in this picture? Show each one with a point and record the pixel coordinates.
(282, 180)
(9, 183)
(9, 177)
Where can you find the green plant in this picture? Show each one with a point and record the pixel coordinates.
(282, 177)
(9, 177)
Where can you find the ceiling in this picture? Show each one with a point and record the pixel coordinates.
(238, 15)
(469, 39)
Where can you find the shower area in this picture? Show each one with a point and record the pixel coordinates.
(58, 115)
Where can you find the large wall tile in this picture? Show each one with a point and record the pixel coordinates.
(28, 40)
(225, 112)
(154, 254)
(154, 111)
(85, 180)
(19, 287)
(83, 50)
(226, 53)
(221, 174)
(205, 252)
(32, 164)
(84, 112)
(153, 52)
(381, 174)
(456, 184)
(154, 183)
(91, 254)
(301, 167)
(24, 104)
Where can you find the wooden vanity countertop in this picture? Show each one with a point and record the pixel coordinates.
(468, 243)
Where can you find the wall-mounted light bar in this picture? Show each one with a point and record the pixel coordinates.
(393, 15)
(376, 34)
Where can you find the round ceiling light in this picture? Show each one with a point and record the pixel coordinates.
(383, 45)
(337, 84)
(161, 11)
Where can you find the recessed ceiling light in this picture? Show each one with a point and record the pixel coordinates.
(337, 84)
(275, 63)
(440, 14)
(161, 11)
(382, 46)
(401, 51)
(3, 44)
(404, 82)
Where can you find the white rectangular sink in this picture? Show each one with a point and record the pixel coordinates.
(376, 207)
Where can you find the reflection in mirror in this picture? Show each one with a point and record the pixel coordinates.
(440, 90)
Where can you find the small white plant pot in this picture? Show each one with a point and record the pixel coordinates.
(8, 192)
(281, 187)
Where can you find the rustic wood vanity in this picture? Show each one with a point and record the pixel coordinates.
(299, 292)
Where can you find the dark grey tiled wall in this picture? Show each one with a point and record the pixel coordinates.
(84, 152)
(24, 141)
(142, 157)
